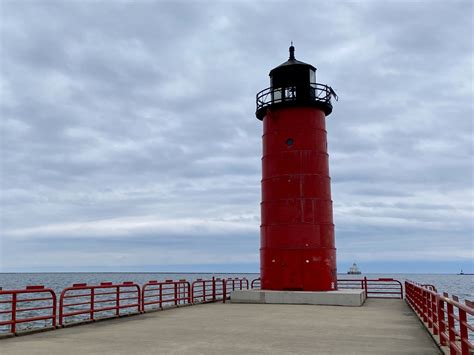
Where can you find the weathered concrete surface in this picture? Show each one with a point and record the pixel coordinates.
(379, 327)
(350, 298)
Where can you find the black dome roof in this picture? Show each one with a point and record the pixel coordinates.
(290, 62)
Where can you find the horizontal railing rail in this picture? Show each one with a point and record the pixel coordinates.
(159, 295)
(34, 306)
(446, 317)
(82, 302)
(212, 290)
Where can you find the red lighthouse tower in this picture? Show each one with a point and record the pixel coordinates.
(297, 231)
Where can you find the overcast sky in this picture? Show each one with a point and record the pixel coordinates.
(129, 139)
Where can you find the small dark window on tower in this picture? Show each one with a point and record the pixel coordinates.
(289, 141)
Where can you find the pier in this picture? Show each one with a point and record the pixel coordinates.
(381, 326)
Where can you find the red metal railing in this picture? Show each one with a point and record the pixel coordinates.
(256, 283)
(446, 317)
(208, 290)
(32, 305)
(374, 288)
(83, 303)
(236, 284)
(430, 287)
(107, 300)
(161, 294)
(344, 284)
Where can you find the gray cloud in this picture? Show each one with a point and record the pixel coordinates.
(144, 111)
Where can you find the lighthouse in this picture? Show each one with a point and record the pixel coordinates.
(297, 249)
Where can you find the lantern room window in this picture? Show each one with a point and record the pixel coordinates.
(312, 76)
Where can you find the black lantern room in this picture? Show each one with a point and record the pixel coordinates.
(293, 83)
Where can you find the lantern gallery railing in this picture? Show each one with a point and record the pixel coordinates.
(446, 317)
(314, 95)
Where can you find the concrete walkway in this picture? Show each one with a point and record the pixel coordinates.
(379, 327)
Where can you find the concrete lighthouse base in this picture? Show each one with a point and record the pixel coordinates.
(351, 298)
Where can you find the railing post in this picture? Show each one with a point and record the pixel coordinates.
(175, 294)
(419, 295)
(189, 291)
(407, 292)
(182, 293)
(92, 303)
(13, 325)
(451, 330)
(224, 290)
(366, 288)
(434, 314)
(139, 300)
(425, 306)
(54, 308)
(416, 299)
(117, 301)
(441, 320)
(428, 309)
(161, 295)
(213, 289)
(463, 331)
(421, 304)
(61, 305)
